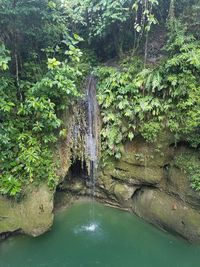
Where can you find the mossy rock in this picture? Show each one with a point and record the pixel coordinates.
(139, 152)
(123, 192)
(105, 182)
(168, 213)
(179, 184)
(32, 216)
(135, 175)
(119, 191)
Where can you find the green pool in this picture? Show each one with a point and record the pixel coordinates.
(107, 238)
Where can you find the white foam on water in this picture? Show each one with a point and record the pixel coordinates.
(92, 227)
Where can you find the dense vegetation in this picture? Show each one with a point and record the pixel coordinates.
(47, 49)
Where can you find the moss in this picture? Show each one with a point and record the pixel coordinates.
(123, 192)
(189, 163)
(133, 174)
(141, 153)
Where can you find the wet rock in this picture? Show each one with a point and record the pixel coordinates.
(168, 212)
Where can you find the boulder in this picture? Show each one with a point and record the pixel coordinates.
(33, 215)
(116, 190)
(123, 192)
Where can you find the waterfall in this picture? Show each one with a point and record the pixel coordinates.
(92, 131)
(85, 146)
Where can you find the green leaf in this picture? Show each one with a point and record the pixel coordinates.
(130, 136)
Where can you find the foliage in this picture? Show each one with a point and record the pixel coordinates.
(189, 163)
(44, 60)
(126, 111)
(145, 101)
(188, 13)
(144, 20)
(182, 85)
(34, 90)
(150, 131)
(59, 85)
(108, 26)
(102, 21)
(28, 127)
(28, 26)
(4, 58)
(176, 81)
(25, 135)
(9, 185)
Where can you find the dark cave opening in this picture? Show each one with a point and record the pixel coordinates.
(78, 170)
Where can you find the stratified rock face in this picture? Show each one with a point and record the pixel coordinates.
(147, 180)
(32, 216)
(169, 213)
(179, 184)
(133, 174)
(141, 165)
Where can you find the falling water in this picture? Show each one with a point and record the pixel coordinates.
(75, 136)
(92, 133)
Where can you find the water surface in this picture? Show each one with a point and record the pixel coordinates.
(107, 238)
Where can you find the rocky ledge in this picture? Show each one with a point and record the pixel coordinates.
(33, 215)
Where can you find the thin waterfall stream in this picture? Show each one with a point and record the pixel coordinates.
(92, 139)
